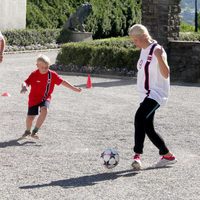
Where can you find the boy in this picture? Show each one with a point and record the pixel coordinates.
(42, 82)
(2, 46)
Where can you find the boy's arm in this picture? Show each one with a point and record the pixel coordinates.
(2, 47)
(24, 88)
(68, 85)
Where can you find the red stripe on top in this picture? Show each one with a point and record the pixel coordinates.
(146, 69)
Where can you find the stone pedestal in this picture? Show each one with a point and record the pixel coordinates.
(161, 17)
(73, 36)
(67, 35)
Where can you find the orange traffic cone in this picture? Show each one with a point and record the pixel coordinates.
(89, 82)
(5, 94)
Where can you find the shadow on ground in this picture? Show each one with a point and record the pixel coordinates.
(17, 143)
(84, 180)
(185, 84)
(117, 83)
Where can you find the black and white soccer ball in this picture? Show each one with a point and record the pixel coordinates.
(110, 158)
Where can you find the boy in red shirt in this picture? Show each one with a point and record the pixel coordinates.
(42, 82)
(2, 46)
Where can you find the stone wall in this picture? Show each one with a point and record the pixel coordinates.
(184, 61)
(161, 17)
(12, 14)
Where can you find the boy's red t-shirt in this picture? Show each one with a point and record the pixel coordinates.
(38, 83)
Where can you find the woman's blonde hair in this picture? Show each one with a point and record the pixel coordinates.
(44, 59)
(139, 30)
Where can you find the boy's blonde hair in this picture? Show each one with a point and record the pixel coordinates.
(139, 30)
(44, 59)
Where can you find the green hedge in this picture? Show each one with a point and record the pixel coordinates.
(47, 36)
(114, 17)
(49, 13)
(189, 36)
(31, 37)
(116, 55)
(112, 42)
(109, 18)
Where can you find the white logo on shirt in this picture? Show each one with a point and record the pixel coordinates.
(140, 64)
(38, 81)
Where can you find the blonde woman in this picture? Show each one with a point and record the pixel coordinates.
(153, 86)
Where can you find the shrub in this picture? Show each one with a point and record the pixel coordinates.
(75, 53)
(185, 27)
(112, 18)
(31, 37)
(49, 13)
(189, 36)
(98, 56)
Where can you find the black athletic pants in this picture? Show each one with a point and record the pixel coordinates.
(144, 125)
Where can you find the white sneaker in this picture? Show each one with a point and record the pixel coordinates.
(34, 135)
(136, 164)
(165, 161)
(26, 133)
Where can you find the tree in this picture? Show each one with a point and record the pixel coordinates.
(196, 17)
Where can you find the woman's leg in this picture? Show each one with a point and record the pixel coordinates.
(147, 107)
(139, 136)
(155, 138)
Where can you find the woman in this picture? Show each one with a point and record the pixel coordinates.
(153, 86)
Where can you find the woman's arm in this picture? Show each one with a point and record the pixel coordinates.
(164, 68)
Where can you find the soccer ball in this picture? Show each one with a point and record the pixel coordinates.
(110, 158)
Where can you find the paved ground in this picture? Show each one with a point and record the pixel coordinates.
(64, 164)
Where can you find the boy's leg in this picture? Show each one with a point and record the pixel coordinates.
(29, 122)
(32, 112)
(41, 118)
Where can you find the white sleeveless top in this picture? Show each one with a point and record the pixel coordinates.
(158, 85)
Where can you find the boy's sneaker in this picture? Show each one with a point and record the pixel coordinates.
(26, 133)
(34, 135)
(165, 161)
(136, 164)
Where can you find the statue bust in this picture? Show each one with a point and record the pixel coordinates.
(76, 20)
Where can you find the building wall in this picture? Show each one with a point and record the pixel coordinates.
(12, 14)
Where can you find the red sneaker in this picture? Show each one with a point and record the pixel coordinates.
(165, 161)
(136, 164)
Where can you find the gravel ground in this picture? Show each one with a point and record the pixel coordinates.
(65, 163)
